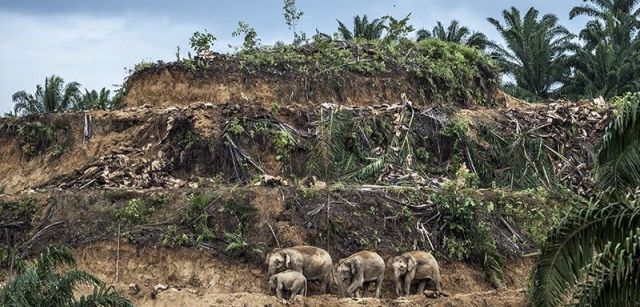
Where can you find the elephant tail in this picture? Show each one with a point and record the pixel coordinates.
(333, 276)
(305, 287)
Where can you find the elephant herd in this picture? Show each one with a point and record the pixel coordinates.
(290, 269)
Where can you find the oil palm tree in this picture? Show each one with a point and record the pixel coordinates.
(95, 100)
(605, 69)
(620, 10)
(362, 28)
(535, 52)
(55, 96)
(608, 62)
(456, 34)
(45, 283)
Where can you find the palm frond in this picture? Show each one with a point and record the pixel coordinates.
(619, 155)
(570, 247)
(103, 296)
(613, 278)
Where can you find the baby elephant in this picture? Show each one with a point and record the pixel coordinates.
(290, 281)
(359, 268)
(414, 266)
(315, 263)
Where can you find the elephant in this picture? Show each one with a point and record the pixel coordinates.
(412, 266)
(289, 280)
(358, 269)
(313, 262)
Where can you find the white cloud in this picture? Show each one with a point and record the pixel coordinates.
(91, 50)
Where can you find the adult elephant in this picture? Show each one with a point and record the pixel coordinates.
(415, 266)
(358, 269)
(313, 262)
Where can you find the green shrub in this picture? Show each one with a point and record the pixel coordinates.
(134, 212)
(172, 238)
(56, 151)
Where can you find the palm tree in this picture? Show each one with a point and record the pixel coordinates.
(617, 12)
(54, 97)
(619, 155)
(535, 54)
(456, 34)
(608, 63)
(567, 271)
(45, 283)
(362, 28)
(95, 100)
(603, 69)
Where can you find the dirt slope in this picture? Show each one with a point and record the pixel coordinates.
(197, 278)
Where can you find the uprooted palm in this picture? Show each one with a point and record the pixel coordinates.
(44, 283)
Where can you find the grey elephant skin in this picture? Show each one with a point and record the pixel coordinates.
(313, 262)
(358, 269)
(415, 266)
(290, 281)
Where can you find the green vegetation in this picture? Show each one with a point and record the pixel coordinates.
(33, 137)
(456, 34)
(567, 267)
(619, 156)
(55, 96)
(135, 211)
(99, 100)
(201, 41)
(198, 217)
(22, 209)
(52, 280)
(362, 28)
(171, 237)
(251, 39)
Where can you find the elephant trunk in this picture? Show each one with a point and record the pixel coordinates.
(272, 269)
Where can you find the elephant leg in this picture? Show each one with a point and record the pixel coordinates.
(353, 288)
(367, 289)
(407, 287)
(324, 284)
(399, 288)
(379, 285)
(296, 289)
(421, 286)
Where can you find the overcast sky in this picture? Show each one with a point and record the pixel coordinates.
(93, 41)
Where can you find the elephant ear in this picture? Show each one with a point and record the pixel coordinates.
(355, 266)
(411, 263)
(287, 260)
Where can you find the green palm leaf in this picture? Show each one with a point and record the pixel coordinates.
(570, 247)
(619, 156)
(613, 279)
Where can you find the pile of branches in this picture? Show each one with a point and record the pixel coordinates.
(566, 135)
(120, 169)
